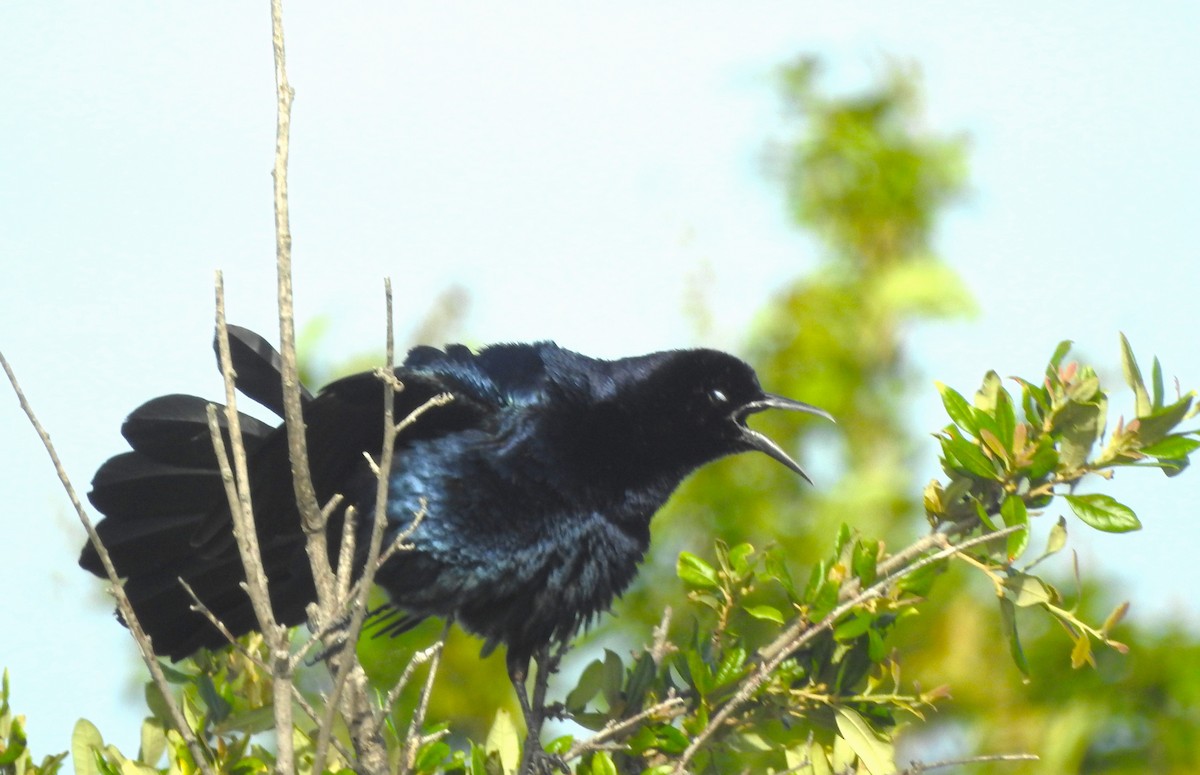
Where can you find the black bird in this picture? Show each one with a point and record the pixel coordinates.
(538, 481)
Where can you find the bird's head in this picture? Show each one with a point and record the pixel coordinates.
(700, 402)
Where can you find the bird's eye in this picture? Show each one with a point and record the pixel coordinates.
(717, 396)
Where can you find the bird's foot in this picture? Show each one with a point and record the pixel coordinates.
(541, 762)
(332, 635)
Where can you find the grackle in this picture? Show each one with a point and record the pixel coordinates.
(538, 480)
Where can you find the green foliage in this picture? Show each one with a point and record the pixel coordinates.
(15, 758)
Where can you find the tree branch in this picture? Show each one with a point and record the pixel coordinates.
(241, 510)
(145, 647)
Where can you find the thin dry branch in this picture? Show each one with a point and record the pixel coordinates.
(918, 767)
(306, 497)
(199, 607)
(660, 711)
(145, 647)
(345, 662)
(345, 566)
(415, 740)
(417, 659)
(241, 510)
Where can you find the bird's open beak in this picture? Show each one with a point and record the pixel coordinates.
(760, 442)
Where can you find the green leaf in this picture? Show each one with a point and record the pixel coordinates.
(874, 752)
(1133, 376)
(154, 741)
(767, 613)
(730, 668)
(670, 741)
(1079, 425)
(560, 745)
(504, 740)
(1006, 417)
(1026, 590)
(1115, 617)
(614, 678)
(1044, 460)
(1156, 379)
(920, 581)
(14, 747)
(102, 765)
(431, 755)
(1083, 390)
(865, 556)
(218, 708)
(1173, 467)
(640, 679)
(1081, 654)
(1157, 424)
(1013, 512)
(589, 685)
(1103, 513)
(776, 568)
(602, 764)
(1008, 624)
(157, 705)
(808, 759)
(966, 457)
(986, 396)
(695, 572)
(86, 744)
(1033, 401)
(1172, 447)
(853, 627)
(478, 759)
(174, 675)
(1057, 538)
(1060, 352)
(957, 407)
(699, 672)
(739, 559)
(992, 441)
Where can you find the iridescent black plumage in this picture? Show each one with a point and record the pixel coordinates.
(538, 480)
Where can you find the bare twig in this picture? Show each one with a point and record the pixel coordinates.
(661, 646)
(418, 659)
(237, 491)
(306, 497)
(366, 736)
(800, 633)
(918, 767)
(415, 739)
(145, 647)
(901, 558)
(400, 542)
(371, 755)
(661, 711)
(345, 566)
(199, 607)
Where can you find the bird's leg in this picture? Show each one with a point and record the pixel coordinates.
(534, 758)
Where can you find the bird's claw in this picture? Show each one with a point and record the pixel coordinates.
(541, 762)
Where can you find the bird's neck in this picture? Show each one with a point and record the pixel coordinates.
(606, 451)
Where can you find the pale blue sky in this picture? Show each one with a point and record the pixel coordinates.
(575, 168)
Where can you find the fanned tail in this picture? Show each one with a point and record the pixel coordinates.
(166, 515)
